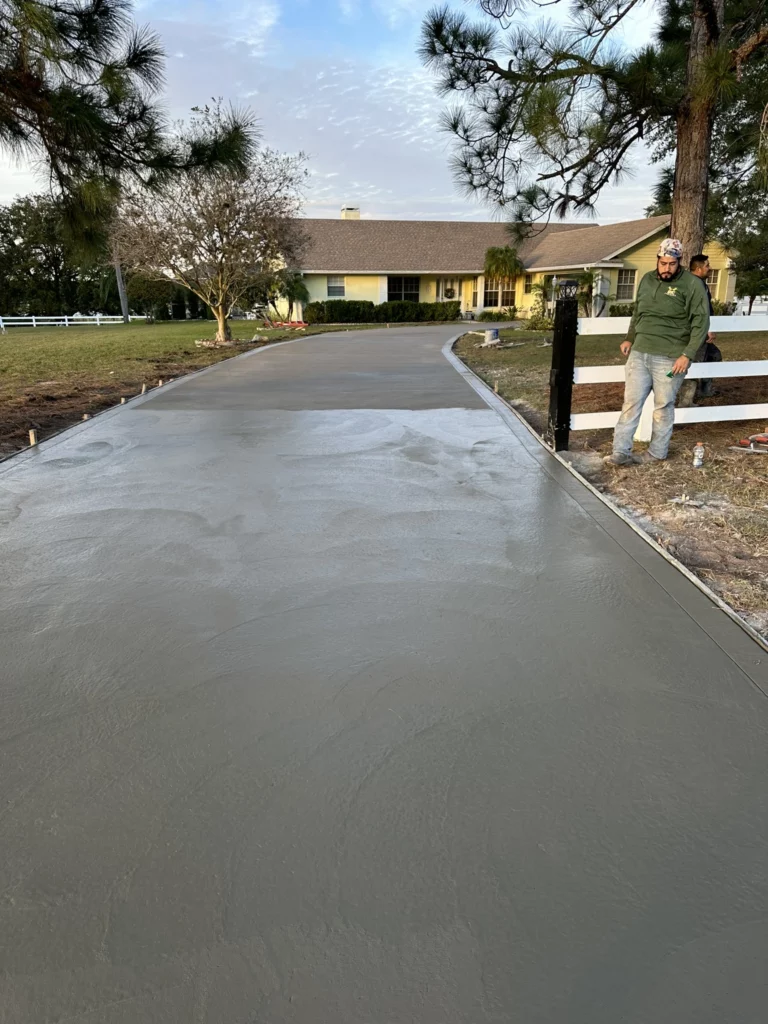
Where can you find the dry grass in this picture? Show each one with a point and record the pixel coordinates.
(714, 519)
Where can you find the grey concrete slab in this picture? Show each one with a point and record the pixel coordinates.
(362, 715)
(397, 368)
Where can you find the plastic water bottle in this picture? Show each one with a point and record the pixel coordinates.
(698, 455)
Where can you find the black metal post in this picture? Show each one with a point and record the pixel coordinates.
(561, 374)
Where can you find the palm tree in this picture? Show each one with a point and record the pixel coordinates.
(294, 289)
(502, 263)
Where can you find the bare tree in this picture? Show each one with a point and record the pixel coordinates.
(218, 233)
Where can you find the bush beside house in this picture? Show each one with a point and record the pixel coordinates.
(498, 315)
(357, 311)
(718, 308)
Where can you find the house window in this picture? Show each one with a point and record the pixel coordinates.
(625, 288)
(712, 277)
(491, 295)
(474, 292)
(508, 293)
(336, 289)
(528, 284)
(402, 289)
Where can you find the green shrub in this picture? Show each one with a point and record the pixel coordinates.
(622, 309)
(355, 311)
(497, 315)
(723, 308)
(339, 311)
(539, 322)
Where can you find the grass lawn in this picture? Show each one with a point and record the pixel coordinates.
(51, 376)
(714, 519)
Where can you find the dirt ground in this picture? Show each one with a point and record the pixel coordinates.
(713, 519)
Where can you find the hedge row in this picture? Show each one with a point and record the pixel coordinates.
(357, 311)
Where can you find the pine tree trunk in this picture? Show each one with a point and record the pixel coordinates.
(694, 133)
(223, 334)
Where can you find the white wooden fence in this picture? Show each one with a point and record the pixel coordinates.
(718, 324)
(98, 319)
(696, 414)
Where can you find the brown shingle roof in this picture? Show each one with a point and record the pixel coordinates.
(457, 247)
(590, 245)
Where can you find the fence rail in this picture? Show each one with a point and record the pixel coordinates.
(695, 414)
(718, 324)
(98, 319)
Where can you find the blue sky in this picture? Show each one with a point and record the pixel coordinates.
(338, 79)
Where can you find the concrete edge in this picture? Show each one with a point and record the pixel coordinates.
(507, 411)
(8, 462)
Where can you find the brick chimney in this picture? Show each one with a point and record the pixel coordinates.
(350, 213)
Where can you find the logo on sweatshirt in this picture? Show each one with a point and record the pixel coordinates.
(671, 291)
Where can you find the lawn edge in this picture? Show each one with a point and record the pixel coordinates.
(503, 407)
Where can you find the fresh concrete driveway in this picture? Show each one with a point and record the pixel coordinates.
(328, 697)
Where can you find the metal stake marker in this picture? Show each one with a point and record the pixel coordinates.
(33, 437)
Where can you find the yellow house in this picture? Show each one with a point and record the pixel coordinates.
(433, 261)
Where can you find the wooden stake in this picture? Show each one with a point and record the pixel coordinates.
(122, 401)
(33, 437)
(86, 415)
(143, 389)
(159, 383)
(496, 387)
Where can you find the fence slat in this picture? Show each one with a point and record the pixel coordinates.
(718, 324)
(697, 414)
(732, 368)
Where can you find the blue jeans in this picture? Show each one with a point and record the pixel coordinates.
(646, 373)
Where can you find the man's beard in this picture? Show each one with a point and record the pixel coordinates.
(667, 275)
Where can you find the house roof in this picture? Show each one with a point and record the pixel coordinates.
(458, 247)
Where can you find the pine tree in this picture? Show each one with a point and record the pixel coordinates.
(551, 113)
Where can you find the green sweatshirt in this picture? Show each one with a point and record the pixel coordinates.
(671, 318)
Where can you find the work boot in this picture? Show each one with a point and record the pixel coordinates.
(621, 459)
(646, 459)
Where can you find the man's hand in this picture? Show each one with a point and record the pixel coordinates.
(711, 337)
(681, 366)
(626, 348)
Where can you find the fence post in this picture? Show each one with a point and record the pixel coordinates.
(66, 321)
(98, 319)
(34, 321)
(563, 358)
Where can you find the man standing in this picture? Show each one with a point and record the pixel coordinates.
(668, 326)
(709, 353)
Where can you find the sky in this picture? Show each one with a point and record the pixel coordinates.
(340, 81)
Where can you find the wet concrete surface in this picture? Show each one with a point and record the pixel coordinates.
(326, 714)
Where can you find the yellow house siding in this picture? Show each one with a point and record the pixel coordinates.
(356, 286)
(362, 287)
(642, 258)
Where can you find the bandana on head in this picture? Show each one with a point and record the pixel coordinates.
(671, 248)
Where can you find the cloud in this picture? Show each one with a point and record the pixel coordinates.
(366, 115)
